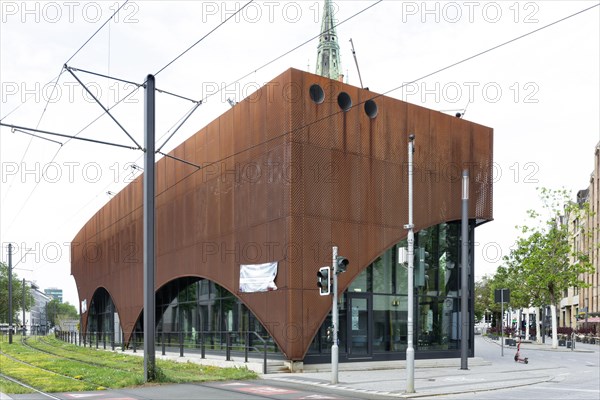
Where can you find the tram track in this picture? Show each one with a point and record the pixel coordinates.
(43, 373)
(28, 387)
(136, 368)
(46, 366)
(90, 363)
(38, 367)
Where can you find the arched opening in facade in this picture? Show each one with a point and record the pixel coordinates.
(373, 310)
(103, 317)
(196, 311)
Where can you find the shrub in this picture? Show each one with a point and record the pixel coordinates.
(509, 330)
(564, 330)
(587, 330)
(532, 331)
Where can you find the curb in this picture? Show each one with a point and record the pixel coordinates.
(423, 393)
(541, 347)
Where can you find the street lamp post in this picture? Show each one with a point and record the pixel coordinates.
(464, 274)
(410, 351)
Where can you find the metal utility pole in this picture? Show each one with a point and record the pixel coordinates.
(501, 296)
(334, 318)
(149, 231)
(464, 274)
(502, 323)
(10, 310)
(410, 351)
(543, 317)
(23, 322)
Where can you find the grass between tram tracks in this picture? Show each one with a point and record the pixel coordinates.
(7, 386)
(82, 369)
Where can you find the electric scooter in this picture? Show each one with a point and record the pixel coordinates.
(518, 355)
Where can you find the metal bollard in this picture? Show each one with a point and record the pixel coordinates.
(202, 348)
(134, 345)
(228, 346)
(265, 359)
(180, 344)
(246, 346)
(162, 341)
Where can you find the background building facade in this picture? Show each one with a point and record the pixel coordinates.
(36, 320)
(54, 293)
(588, 241)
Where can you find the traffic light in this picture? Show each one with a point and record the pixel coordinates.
(323, 281)
(329, 334)
(342, 264)
(421, 267)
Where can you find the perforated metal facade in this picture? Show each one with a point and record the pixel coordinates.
(284, 177)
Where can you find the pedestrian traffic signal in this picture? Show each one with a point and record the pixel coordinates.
(323, 281)
(342, 264)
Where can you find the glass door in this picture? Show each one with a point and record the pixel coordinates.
(359, 323)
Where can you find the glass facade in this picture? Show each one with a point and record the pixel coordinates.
(373, 310)
(103, 316)
(204, 312)
(194, 305)
(192, 310)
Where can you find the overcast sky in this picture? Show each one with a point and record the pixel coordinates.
(539, 93)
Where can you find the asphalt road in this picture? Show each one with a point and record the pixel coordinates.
(576, 374)
(247, 390)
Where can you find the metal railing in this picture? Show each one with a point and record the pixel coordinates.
(213, 342)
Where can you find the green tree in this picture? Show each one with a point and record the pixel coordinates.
(55, 311)
(17, 296)
(503, 279)
(484, 303)
(542, 265)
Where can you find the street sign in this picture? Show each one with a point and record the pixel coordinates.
(501, 297)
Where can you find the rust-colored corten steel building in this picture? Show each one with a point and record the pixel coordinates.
(303, 163)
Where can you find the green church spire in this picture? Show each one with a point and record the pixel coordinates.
(328, 52)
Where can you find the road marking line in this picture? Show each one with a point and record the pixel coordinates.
(569, 390)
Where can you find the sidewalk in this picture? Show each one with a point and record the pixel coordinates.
(427, 381)
(441, 377)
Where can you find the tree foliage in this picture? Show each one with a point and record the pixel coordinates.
(484, 302)
(543, 264)
(55, 311)
(17, 296)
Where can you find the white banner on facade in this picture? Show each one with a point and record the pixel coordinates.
(84, 306)
(258, 277)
